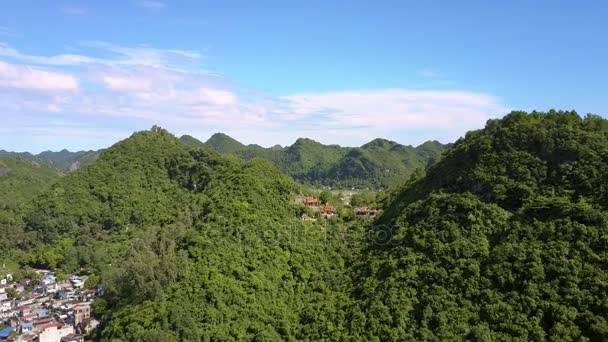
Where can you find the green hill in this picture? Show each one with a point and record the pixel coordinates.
(143, 180)
(223, 143)
(505, 238)
(190, 140)
(378, 164)
(21, 179)
(192, 245)
(64, 160)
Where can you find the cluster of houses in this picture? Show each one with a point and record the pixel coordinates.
(328, 211)
(46, 310)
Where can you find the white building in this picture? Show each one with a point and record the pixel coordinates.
(54, 332)
(6, 305)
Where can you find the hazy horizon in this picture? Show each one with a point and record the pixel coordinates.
(204, 139)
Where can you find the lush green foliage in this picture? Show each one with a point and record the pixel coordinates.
(223, 143)
(364, 199)
(21, 179)
(506, 238)
(378, 164)
(64, 160)
(191, 245)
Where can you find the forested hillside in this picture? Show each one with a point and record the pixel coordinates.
(378, 164)
(190, 245)
(21, 179)
(506, 238)
(63, 161)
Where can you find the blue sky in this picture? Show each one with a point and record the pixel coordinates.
(82, 75)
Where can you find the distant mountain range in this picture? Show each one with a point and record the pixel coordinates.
(63, 161)
(378, 164)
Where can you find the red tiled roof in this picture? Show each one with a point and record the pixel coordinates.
(43, 321)
(328, 209)
(52, 325)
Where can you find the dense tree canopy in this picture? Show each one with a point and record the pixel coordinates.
(192, 245)
(21, 179)
(378, 164)
(504, 238)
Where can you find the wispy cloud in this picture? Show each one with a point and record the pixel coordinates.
(28, 78)
(145, 85)
(116, 56)
(386, 112)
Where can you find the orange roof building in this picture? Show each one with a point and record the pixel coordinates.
(311, 201)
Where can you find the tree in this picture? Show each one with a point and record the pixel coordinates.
(92, 281)
(363, 198)
(325, 196)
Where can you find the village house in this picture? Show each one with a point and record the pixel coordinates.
(6, 332)
(39, 324)
(365, 211)
(73, 338)
(6, 304)
(311, 201)
(54, 332)
(48, 279)
(5, 277)
(327, 211)
(26, 324)
(87, 295)
(27, 337)
(51, 289)
(77, 282)
(82, 312)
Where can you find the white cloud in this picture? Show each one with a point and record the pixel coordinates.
(144, 86)
(63, 59)
(120, 56)
(25, 77)
(382, 112)
(215, 97)
(129, 84)
(147, 56)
